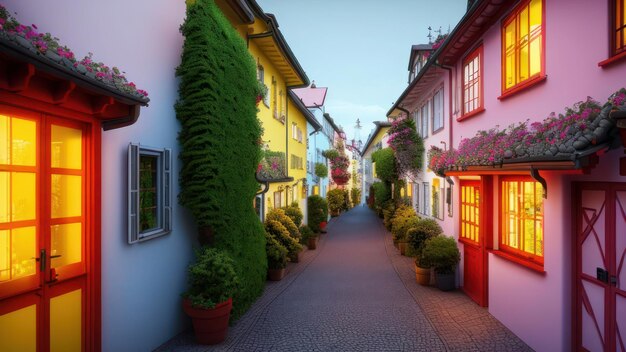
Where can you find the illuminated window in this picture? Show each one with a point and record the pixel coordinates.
(470, 200)
(149, 192)
(472, 82)
(618, 34)
(521, 228)
(436, 199)
(426, 203)
(522, 45)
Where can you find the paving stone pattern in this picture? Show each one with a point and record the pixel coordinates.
(356, 293)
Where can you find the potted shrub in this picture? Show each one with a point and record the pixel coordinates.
(308, 237)
(208, 301)
(281, 234)
(417, 236)
(336, 201)
(318, 213)
(294, 213)
(276, 258)
(443, 254)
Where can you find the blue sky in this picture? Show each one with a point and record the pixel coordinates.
(359, 49)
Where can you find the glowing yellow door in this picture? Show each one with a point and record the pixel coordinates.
(42, 233)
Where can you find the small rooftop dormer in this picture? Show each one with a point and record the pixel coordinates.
(419, 56)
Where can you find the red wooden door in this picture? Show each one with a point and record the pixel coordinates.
(43, 227)
(600, 273)
(472, 237)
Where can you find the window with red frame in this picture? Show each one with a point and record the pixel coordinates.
(473, 82)
(470, 211)
(619, 29)
(521, 221)
(522, 45)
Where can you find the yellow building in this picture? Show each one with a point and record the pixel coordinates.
(283, 116)
(377, 140)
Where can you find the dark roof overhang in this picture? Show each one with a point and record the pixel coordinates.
(332, 123)
(414, 51)
(478, 18)
(26, 73)
(308, 115)
(275, 46)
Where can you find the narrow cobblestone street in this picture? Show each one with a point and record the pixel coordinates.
(355, 293)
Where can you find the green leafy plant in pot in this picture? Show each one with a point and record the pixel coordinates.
(443, 254)
(336, 201)
(417, 237)
(318, 213)
(276, 258)
(208, 301)
(308, 237)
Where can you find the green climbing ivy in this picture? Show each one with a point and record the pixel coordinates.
(219, 143)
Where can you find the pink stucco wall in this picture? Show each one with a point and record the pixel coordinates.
(534, 306)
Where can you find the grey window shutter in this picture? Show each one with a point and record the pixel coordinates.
(133, 193)
(167, 190)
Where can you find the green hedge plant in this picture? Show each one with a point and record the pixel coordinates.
(281, 234)
(212, 278)
(276, 253)
(306, 234)
(422, 231)
(317, 212)
(219, 134)
(321, 170)
(280, 216)
(294, 213)
(442, 253)
(336, 201)
(385, 164)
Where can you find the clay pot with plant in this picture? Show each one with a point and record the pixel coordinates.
(276, 258)
(443, 254)
(208, 300)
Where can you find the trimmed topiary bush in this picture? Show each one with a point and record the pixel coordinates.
(385, 165)
(294, 213)
(401, 224)
(276, 253)
(317, 211)
(382, 193)
(280, 216)
(219, 143)
(281, 234)
(336, 201)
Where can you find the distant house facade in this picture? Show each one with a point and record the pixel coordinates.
(377, 140)
(540, 227)
(313, 98)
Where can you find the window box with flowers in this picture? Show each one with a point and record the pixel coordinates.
(585, 124)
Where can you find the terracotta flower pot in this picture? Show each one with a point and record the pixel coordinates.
(312, 242)
(275, 274)
(402, 246)
(210, 325)
(422, 275)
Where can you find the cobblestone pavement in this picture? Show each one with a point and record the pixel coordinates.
(356, 293)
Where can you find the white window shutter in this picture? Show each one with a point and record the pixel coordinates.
(133, 193)
(167, 190)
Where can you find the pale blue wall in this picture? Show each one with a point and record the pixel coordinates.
(317, 141)
(141, 283)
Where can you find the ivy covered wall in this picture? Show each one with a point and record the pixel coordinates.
(220, 143)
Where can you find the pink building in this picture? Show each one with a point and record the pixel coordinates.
(541, 221)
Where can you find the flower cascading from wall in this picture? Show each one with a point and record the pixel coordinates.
(585, 123)
(408, 147)
(339, 164)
